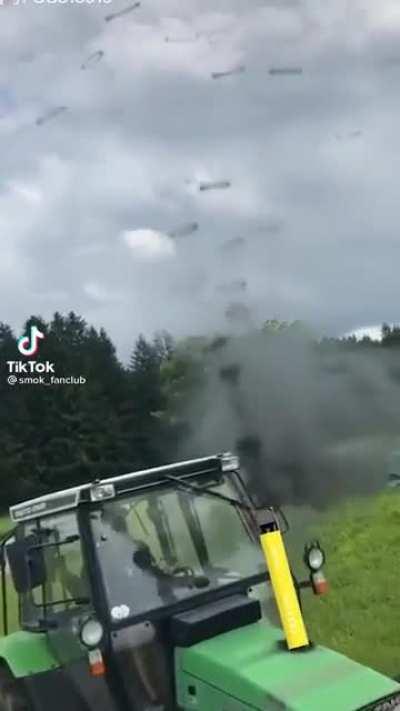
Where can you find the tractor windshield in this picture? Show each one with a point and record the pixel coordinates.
(166, 545)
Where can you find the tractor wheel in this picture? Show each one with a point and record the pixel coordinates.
(12, 697)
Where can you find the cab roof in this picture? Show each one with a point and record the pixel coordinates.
(102, 489)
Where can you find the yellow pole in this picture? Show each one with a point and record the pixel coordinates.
(284, 590)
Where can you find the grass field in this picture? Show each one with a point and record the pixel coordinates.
(361, 615)
(5, 524)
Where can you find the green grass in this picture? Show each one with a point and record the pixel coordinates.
(360, 616)
(12, 603)
(5, 524)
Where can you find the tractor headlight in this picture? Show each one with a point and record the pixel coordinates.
(91, 633)
(100, 492)
(229, 462)
(314, 556)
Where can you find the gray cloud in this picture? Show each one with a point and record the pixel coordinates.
(147, 124)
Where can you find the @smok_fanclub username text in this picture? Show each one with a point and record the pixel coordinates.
(38, 373)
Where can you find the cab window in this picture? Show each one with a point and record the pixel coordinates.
(172, 545)
(66, 586)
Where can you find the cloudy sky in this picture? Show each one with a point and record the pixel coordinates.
(101, 209)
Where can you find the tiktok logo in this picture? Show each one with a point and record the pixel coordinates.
(29, 345)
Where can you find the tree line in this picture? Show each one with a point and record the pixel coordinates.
(56, 436)
(125, 417)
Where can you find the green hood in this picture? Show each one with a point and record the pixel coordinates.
(251, 665)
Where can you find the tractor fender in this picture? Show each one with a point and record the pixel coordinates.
(27, 653)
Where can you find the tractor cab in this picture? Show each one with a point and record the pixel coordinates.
(137, 593)
(104, 571)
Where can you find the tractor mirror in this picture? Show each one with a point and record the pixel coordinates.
(27, 564)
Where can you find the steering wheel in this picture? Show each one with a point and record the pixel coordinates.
(183, 570)
(185, 575)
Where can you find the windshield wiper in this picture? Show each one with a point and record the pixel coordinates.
(75, 600)
(194, 488)
(56, 544)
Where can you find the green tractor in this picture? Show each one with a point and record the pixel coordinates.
(145, 591)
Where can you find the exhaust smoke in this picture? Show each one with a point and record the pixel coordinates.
(311, 421)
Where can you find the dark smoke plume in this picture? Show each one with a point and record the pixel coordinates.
(312, 422)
